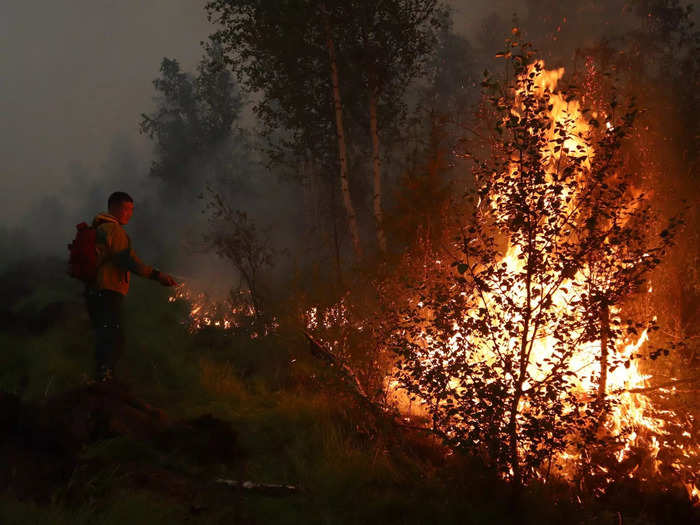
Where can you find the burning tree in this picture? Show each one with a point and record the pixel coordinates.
(509, 349)
(234, 237)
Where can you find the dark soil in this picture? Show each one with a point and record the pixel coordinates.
(42, 445)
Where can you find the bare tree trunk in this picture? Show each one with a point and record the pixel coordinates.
(513, 445)
(377, 167)
(336, 240)
(310, 197)
(514, 410)
(604, 318)
(342, 149)
(523, 361)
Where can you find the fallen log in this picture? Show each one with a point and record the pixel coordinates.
(269, 489)
(319, 350)
(349, 377)
(383, 414)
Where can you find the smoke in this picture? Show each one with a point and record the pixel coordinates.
(557, 29)
(75, 76)
(78, 76)
(76, 79)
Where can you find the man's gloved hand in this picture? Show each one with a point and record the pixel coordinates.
(166, 280)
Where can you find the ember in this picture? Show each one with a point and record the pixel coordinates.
(234, 313)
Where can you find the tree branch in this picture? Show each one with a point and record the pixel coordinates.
(663, 385)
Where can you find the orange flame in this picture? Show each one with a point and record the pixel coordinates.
(228, 314)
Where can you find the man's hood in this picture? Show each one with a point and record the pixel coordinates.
(104, 217)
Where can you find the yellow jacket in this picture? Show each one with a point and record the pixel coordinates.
(115, 256)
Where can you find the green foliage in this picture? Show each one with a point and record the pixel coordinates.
(290, 53)
(279, 51)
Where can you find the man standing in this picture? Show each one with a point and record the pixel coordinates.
(116, 260)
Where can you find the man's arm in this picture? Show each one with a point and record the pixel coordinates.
(163, 278)
(128, 260)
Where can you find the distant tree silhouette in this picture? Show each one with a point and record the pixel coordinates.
(194, 115)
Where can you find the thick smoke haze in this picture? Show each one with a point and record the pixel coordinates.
(76, 76)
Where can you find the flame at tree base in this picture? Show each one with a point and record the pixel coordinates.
(235, 313)
(634, 435)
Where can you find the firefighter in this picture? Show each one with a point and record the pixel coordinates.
(105, 295)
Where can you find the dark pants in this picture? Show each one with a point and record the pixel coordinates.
(106, 309)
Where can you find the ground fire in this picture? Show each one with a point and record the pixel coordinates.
(233, 313)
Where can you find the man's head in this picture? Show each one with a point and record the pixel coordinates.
(121, 206)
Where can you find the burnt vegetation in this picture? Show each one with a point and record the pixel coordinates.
(460, 282)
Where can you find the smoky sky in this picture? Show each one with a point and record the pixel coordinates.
(75, 75)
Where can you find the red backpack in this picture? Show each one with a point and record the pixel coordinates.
(82, 263)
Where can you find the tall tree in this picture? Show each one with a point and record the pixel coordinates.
(340, 130)
(433, 137)
(391, 43)
(312, 59)
(287, 53)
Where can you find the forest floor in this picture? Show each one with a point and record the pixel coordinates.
(191, 409)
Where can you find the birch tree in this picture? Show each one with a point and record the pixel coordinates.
(328, 65)
(390, 44)
(340, 131)
(194, 114)
(286, 52)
